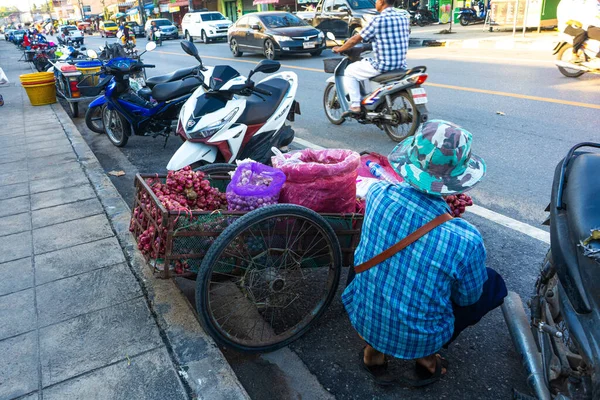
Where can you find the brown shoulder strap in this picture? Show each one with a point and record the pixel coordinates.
(413, 237)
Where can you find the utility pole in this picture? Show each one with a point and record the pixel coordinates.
(142, 11)
(190, 5)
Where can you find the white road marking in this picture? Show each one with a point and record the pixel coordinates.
(490, 215)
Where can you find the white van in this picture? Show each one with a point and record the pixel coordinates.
(206, 25)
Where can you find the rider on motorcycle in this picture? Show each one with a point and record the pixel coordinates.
(390, 31)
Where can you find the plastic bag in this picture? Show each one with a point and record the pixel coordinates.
(254, 185)
(322, 180)
(3, 77)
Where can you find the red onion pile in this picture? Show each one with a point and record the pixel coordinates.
(184, 191)
(458, 203)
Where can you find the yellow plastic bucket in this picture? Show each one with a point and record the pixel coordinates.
(37, 77)
(41, 94)
(92, 80)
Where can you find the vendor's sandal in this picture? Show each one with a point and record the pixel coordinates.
(378, 373)
(426, 377)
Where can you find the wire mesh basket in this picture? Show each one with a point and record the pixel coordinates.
(329, 64)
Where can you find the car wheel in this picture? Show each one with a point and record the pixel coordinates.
(188, 37)
(204, 38)
(269, 50)
(235, 49)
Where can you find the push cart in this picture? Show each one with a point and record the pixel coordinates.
(70, 80)
(264, 277)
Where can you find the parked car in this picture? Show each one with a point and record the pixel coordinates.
(166, 27)
(16, 36)
(343, 18)
(76, 34)
(274, 33)
(136, 28)
(207, 26)
(7, 33)
(108, 29)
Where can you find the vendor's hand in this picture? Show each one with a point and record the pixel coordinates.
(336, 49)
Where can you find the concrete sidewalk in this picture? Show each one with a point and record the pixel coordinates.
(81, 317)
(474, 37)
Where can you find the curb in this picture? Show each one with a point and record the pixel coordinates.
(498, 44)
(197, 359)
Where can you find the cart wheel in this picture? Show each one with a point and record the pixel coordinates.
(268, 277)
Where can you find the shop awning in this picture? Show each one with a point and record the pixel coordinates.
(149, 6)
(256, 2)
(120, 15)
(132, 11)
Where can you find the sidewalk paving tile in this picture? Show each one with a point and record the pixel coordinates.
(54, 171)
(50, 150)
(19, 361)
(93, 340)
(16, 275)
(13, 167)
(70, 233)
(32, 396)
(16, 190)
(65, 212)
(61, 196)
(11, 178)
(43, 131)
(15, 246)
(37, 145)
(77, 259)
(46, 185)
(15, 224)
(57, 159)
(148, 376)
(12, 157)
(52, 136)
(80, 294)
(17, 313)
(14, 205)
(10, 142)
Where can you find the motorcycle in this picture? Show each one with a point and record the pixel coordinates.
(563, 52)
(422, 17)
(394, 101)
(144, 112)
(233, 118)
(471, 16)
(560, 343)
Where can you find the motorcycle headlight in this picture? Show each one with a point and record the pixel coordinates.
(211, 129)
(280, 38)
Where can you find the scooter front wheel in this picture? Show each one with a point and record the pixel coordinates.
(331, 105)
(93, 119)
(115, 126)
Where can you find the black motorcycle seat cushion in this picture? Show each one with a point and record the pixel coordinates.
(393, 74)
(145, 93)
(259, 108)
(172, 90)
(173, 76)
(582, 195)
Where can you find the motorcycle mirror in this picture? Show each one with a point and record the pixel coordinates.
(150, 46)
(92, 54)
(189, 48)
(267, 67)
(330, 36)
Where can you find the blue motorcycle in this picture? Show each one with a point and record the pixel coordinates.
(125, 110)
(471, 16)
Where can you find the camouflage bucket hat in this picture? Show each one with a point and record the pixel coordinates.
(438, 160)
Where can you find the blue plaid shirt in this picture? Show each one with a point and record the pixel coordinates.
(403, 306)
(390, 31)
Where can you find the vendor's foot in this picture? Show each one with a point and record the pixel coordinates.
(430, 363)
(375, 364)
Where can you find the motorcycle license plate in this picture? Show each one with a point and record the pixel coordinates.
(419, 95)
(309, 45)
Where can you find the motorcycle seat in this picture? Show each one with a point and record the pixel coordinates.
(145, 93)
(173, 76)
(259, 108)
(173, 90)
(393, 74)
(581, 196)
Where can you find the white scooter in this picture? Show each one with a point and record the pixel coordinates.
(232, 118)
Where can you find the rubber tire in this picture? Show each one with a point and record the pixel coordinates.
(416, 116)
(74, 109)
(464, 21)
(217, 169)
(232, 231)
(329, 87)
(316, 53)
(275, 56)
(238, 53)
(188, 37)
(204, 38)
(126, 127)
(563, 70)
(88, 119)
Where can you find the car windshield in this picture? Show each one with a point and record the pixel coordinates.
(282, 21)
(162, 22)
(109, 24)
(212, 17)
(361, 4)
(18, 32)
(71, 28)
(132, 24)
